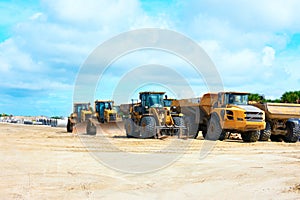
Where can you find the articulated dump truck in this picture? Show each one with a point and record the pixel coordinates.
(217, 115)
(282, 121)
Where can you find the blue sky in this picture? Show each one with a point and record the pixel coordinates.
(255, 45)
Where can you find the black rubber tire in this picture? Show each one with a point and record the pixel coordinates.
(69, 126)
(251, 136)
(292, 135)
(266, 133)
(204, 132)
(191, 126)
(178, 121)
(129, 127)
(214, 130)
(147, 127)
(91, 129)
(224, 135)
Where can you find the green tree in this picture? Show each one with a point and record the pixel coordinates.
(256, 97)
(56, 117)
(3, 115)
(290, 97)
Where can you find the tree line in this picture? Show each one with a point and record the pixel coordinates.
(287, 97)
(5, 115)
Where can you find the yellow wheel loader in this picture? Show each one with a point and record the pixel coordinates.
(168, 103)
(150, 119)
(106, 115)
(81, 113)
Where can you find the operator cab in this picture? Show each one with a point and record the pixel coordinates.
(78, 107)
(81, 106)
(101, 106)
(152, 99)
(168, 102)
(234, 98)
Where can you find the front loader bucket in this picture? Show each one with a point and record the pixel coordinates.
(108, 128)
(111, 128)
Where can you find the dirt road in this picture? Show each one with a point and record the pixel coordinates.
(41, 162)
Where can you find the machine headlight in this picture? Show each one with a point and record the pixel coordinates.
(229, 114)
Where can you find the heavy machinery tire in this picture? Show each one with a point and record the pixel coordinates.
(214, 130)
(129, 127)
(204, 132)
(224, 135)
(91, 129)
(69, 126)
(178, 121)
(292, 135)
(266, 133)
(251, 136)
(191, 126)
(147, 127)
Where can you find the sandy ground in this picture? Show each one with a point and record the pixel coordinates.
(40, 162)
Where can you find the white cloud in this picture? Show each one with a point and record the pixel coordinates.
(94, 14)
(242, 38)
(268, 56)
(50, 43)
(248, 15)
(14, 59)
(36, 16)
(244, 69)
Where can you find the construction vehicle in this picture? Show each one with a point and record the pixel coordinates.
(168, 102)
(81, 113)
(150, 119)
(218, 115)
(282, 121)
(105, 113)
(125, 110)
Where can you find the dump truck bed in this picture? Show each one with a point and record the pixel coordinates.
(280, 110)
(197, 108)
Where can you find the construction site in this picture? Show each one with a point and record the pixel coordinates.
(215, 115)
(149, 99)
(243, 149)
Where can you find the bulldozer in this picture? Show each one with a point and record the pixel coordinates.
(150, 119)
(105, 114)
(81, 113)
